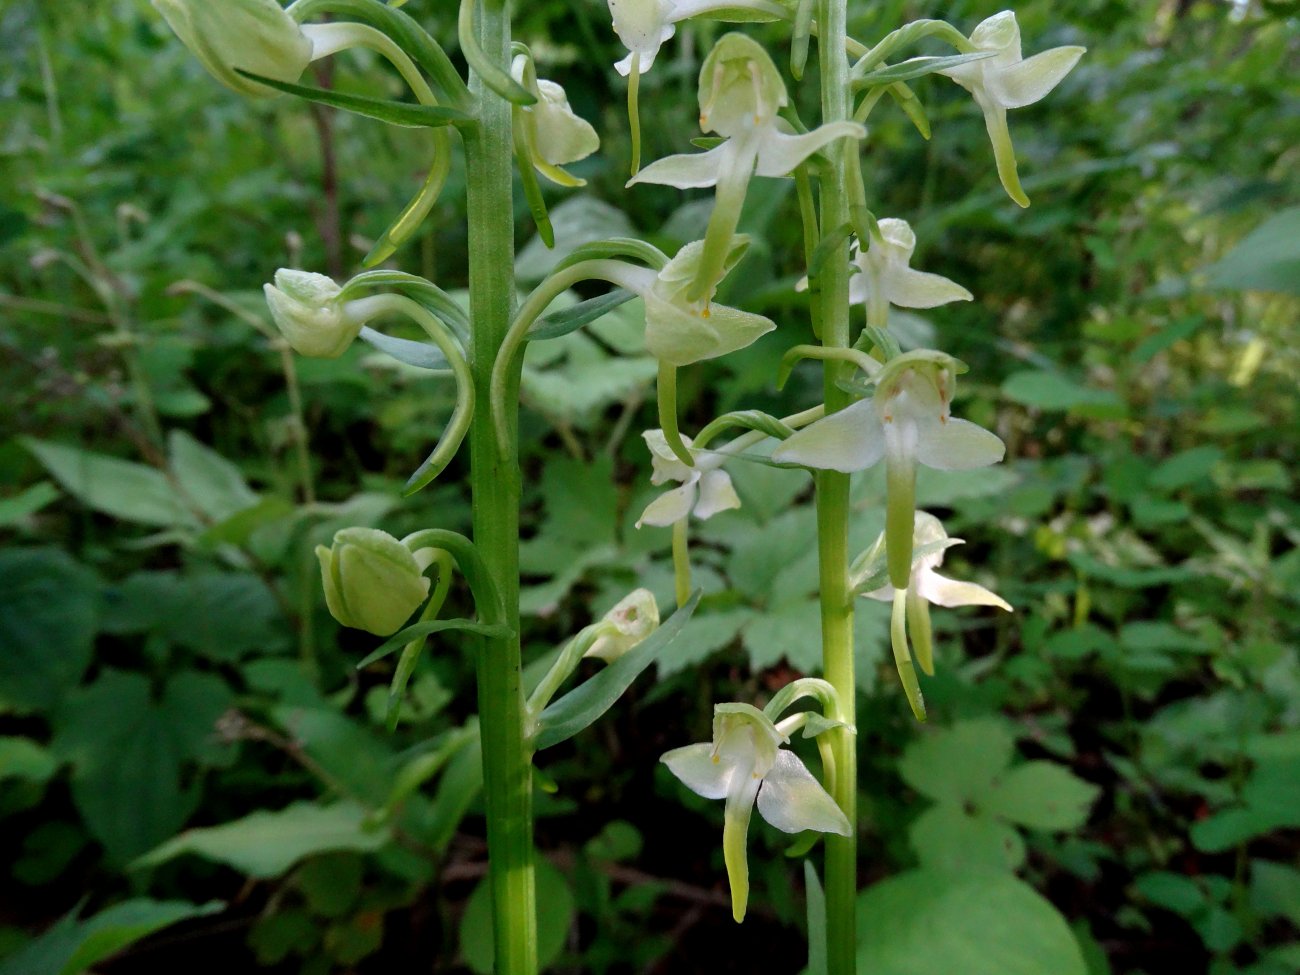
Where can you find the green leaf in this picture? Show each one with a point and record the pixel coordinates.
(1267, 260)
(49, 607)
(26, 503)
(1275, 890)
(421, 355)
(1172, 891)
(1040, 795)
(266, 844)
(1186, 469)
(958, 764)
(554, 918)
(417, 630)
(210, 482)
(916, 68)
(1053, 391)
(816, 919)
(926, 922)
(579, 220)
(567, 320)
(405, 114)
(71, 947)
(118, 488)
(588, 701)
(23, 759)
(946, 838)
(330, 883)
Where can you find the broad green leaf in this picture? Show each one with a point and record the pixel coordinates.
(1172, 891)
(576, 710)
(73, 946)
(1053, 391)
(708, 634)
(266, 844)
(1040, 795)
(26, 503)
(1186, 469)
(209, 482)
(1267, 260)
(48, 617)
(554, 918)
(119, 488)
(927, 922)
(349, 753)
(1275, 890)
(946, 837)
(578, 220)
(24, 759)
(958, 764)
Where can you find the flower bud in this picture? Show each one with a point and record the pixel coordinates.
(634, 618)
(307, 311)
(372, 581)
(254, 35)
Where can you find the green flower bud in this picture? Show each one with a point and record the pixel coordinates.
(307, 310)
(372, 581)
(634, 618)
(254, 35)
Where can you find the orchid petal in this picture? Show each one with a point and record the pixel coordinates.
(792, 799)
(700, 769)
(666, 467)
(781, 154)
(669, 508)
(920, 289)
(735, 828)
(946, 592)
(920, 630)
(957, 445)
(687, 171)
(999, 33)
(716, 494)
(1033, 79)
(680, 336)
(1004, 153)
(850, 440)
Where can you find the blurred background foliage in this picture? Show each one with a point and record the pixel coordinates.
(185, 740)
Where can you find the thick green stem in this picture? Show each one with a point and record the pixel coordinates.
(495, 482)
(833, 512)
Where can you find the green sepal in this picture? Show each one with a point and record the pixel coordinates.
(880, 338)
(561, 323)
(405, 114)
(589, 700)
(906, 99)
(494, 631)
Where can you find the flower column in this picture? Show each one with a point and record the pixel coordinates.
(495, 483)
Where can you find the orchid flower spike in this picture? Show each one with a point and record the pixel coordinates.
(556, 134)
(372, 581)
(906, 422)
(308, 311)
(740, 94)
(681, 329)
(744, 763)
(1005, 81)
(705, 489)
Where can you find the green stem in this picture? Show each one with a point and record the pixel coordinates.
(495, 485)
(832, 499)
(667, 392)
(682, 561)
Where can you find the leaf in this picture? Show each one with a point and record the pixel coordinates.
(118, 488)
(49, 606)
(816, 919)
(1185, 469)
(26, 503)
(578, 220)
(267, 844)
(926, 922)
(1275, 890)
(210, 482)
(554, 918)
(421, 355)
(1040, 795)
(395, 113)
(25, 760)
(71, 947)
(947, 838)
(959, 763)
(1052, 391)
(417, 630)
(917, 68)
(1267, 260)
(566, 320)
(588, 701)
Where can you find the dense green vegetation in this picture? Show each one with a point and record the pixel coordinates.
(185, 735)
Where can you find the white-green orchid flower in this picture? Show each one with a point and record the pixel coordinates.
(633, 618)
(1005, 81)
(372, 581)
(644, 25)
(741, 92)
(556, 134)
(255, 35)
(307, 309)
(906, 422)
(887, 279)
(925, 586)
(746, 763)
(705, 488)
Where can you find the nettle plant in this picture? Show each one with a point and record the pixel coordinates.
(880, 404)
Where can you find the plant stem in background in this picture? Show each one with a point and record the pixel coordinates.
(832, 500)
(495, 485)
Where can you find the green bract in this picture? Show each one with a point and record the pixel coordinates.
(632, 619)
(372, 581)
(1005, 81)
(254, 35)
(745, 763)
(906, 422)
(307, 310)
(705, 488)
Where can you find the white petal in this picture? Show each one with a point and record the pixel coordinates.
(687, 171)
(943, 591)
(919, 289)
(957, 445)
(792, 799)
(699, 770)
(663, 461)
(669, 508)
(998, 33)
(1031, 80)
(716, 494)
(680, 334)
(780, 154)
(847, 441)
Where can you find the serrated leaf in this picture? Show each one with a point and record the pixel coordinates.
(958, 764)
(1040, 795)
(946, 837)
(576, 710)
